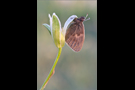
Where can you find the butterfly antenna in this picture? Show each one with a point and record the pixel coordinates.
(86, 17)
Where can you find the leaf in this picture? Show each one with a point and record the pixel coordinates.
(48, 27)
(58, 37)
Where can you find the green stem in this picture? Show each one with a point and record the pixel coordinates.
(52, 70)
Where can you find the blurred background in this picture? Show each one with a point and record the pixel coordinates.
(74, 71)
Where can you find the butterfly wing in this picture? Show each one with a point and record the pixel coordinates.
(75, 36)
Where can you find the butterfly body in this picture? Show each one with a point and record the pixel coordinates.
(75, 34)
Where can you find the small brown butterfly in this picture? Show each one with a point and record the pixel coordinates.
(75, 34)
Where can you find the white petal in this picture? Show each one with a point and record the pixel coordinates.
(69, 20)
(48, 27)
(50, 22)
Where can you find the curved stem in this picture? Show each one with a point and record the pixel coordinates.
(52, 71)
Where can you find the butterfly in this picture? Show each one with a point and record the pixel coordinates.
(75, 34)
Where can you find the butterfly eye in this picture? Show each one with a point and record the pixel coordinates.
(82, 19)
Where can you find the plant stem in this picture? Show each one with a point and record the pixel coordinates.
(52, 71)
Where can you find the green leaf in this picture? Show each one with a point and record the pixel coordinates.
(48, 27)
(58, 37)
